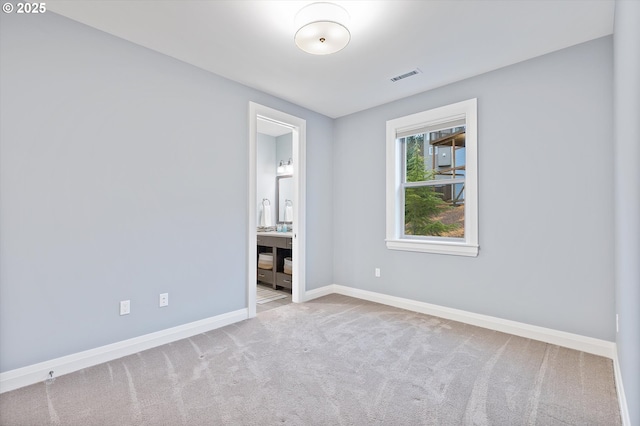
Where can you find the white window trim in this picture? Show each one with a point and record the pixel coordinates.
(395, 208)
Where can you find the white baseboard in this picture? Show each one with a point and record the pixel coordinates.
(547, 335)
(35, 373)
(622, 398)
(319, 292)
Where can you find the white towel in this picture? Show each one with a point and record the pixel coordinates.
(265, 218)
(288, 213)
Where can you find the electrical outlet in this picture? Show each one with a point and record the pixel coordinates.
(377, 272)
(164, 299)
(125, 307)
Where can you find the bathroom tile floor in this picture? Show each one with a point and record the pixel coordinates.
(275, 303)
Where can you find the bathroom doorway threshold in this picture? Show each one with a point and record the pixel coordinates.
(268, 298)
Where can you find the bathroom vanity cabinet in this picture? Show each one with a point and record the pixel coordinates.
(280, 246)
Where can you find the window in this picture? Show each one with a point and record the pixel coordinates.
(432, 202)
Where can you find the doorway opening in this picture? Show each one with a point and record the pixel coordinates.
(288, 225)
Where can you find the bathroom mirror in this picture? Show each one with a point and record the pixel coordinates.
(284, 189)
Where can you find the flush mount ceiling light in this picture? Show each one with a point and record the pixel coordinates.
(322, 28)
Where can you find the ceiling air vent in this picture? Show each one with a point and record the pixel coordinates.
(405, 75)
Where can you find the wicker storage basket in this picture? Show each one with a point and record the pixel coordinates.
(265, 261)
(288, 265)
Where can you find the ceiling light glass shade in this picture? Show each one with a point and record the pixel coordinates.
(322, 28)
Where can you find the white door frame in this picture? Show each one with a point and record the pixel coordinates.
(298, 127)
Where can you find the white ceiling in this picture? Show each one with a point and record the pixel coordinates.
(251, 42)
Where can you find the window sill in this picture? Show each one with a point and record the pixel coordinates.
(450, 248)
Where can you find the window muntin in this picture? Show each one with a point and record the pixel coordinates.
(432, 181)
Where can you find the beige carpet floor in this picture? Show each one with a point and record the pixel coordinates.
(332, 361)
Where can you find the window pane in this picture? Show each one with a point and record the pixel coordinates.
(449, 153)
(435, 210)
(435, 155)
(416, 161)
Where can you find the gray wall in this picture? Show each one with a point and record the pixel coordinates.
(265, 175)
(123, 175)
(284, 152)
(545, 220)
(627, 197)
(284, 148)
